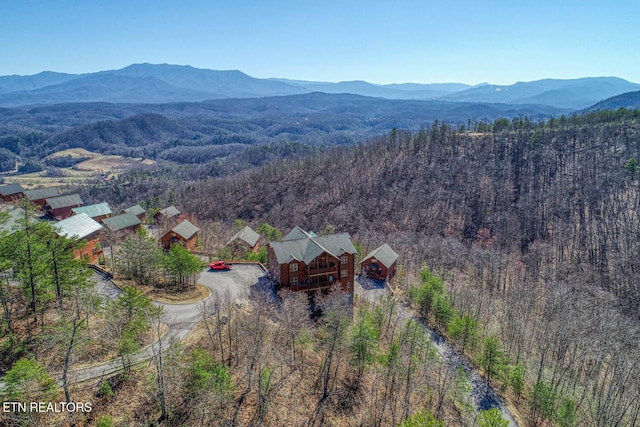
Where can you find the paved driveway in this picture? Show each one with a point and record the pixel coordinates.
(237, 281)
(181, 318)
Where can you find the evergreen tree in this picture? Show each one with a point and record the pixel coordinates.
(138, 259)
(492, 418)
(181, 266)
(492, 359)
(27, 250)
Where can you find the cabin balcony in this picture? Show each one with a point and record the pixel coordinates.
(312, 284)
(326, 269)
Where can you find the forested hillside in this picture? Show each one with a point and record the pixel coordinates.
(629, 100)
(209, 132)
(535, 225)
(564, 191)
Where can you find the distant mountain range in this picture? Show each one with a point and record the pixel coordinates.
(148, 83)
(574, 93)
(629, 100)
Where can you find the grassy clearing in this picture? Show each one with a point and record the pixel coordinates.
(109, 164)
(73, 153)
(95, 165)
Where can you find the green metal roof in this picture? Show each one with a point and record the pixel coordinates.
(120, 222)
(9, 189)
(307, 248)
(77, 226)
(42, 193)
(10, 225)
(247, 235)
(93, 211)
(136, 210)
(185, 229)
(169, 212)
(64, 201)
(384, 254)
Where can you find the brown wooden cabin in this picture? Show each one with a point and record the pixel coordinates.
(123, 223)
(303, 261)
(98, 212)
(11, 193)
(138, 211)
(39, 196)
(85, 229)
(244, 241)
(61, 207)
(185, 233)
(167, 214)
(380, 264)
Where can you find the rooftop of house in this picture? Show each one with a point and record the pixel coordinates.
(64, 201)
(383, 254)
(169, 212)
(120, 222)
(247, 235)
(9, 189)
(42, 193)
(99, 209)
(298, 233)
(9, 225)
(307, 246)
(77, 226)
(185, 229)
(136, 210)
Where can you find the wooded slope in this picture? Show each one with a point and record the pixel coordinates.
(535, 225)
(564, 193)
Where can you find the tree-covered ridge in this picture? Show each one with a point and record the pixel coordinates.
(564, 190)
(528, 230)
(246, 365)
(568, 185)
(536, 223)
(226, 130)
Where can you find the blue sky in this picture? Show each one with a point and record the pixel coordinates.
(499, 42)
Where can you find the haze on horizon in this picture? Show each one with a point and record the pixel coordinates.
(499, 42)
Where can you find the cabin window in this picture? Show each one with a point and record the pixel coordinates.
(344, 273)
(293, 267)
(293, 281)
(344, 259)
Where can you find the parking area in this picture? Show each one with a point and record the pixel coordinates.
(237, 281)
(370, 289)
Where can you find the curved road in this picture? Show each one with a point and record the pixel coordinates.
(181, 318)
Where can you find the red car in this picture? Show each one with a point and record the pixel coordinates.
(219, 265)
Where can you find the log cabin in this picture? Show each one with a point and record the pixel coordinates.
(61, 207)
(244, 241)
(184, 233)
(39, 196)
(11, 193)
(380, 264)
(83, 228)
(98, 212)
(304, 261)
